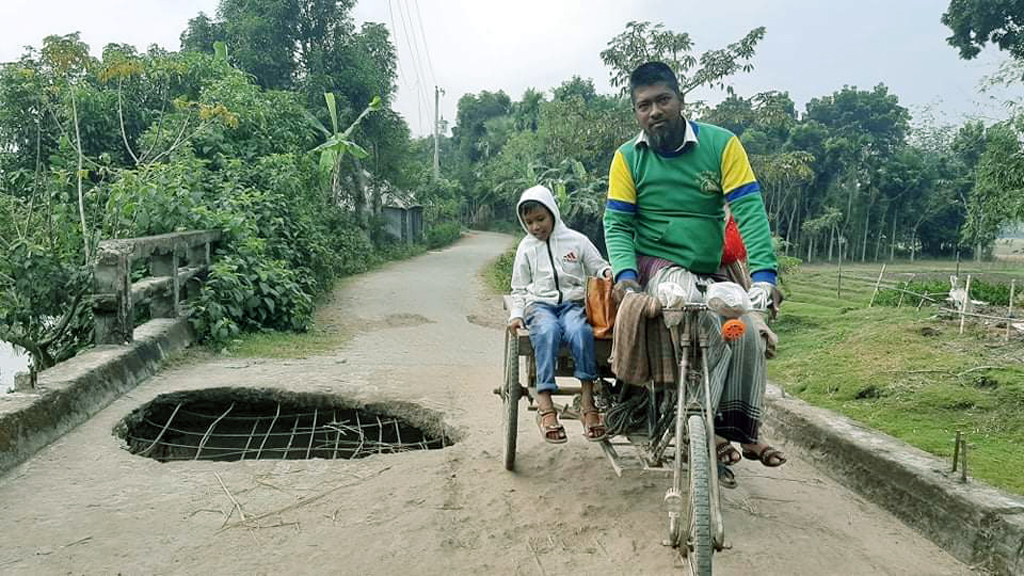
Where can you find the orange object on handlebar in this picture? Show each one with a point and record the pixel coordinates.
(733, 329)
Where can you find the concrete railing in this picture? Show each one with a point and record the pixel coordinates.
(172, 260)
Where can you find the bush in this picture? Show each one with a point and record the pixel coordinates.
(889, 297)
(442, 234)
(788, 265)
(994, 293)
(500, 273)
(250, 292)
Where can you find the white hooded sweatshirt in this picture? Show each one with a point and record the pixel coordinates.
(554, 271)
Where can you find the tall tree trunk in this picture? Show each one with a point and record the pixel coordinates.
(831, 241)
(864, 245)
(81, 195)
(360, 195)
(789, 231)
(892, 242)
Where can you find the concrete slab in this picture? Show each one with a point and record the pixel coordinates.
(71, 392)
(978, 524)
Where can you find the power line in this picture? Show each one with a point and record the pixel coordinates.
(423, 37)
(394, 32)
(416, 85)
(410, 41)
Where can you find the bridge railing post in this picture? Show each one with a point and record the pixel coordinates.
(112, 304)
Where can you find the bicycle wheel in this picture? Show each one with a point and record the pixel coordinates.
(698, 499)
(511, 392)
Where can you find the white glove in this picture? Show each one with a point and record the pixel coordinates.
(760, 294)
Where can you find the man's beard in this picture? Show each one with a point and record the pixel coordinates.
(666, 140)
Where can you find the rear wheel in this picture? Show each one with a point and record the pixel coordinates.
(698, 499)
(511, 391)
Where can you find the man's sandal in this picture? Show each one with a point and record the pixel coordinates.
(727, 453)
(552, 433)
(593, 432)
(726, 477)
(768, 456)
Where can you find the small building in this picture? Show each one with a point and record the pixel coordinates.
(403, 217)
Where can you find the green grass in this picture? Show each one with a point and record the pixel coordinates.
(315, 342)
(905, 372)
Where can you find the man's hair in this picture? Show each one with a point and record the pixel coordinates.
(651, 73)
(531, 205)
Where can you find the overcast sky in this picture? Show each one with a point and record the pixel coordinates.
(812, 47)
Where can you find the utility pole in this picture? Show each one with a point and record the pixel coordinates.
(437, 128)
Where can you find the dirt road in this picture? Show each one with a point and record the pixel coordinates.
(425, 331)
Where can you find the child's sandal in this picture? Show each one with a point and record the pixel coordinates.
(552, 433)
(593, 432)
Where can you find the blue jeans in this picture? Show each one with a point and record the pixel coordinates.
(553, 325)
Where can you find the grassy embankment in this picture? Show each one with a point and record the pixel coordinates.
(907, 372)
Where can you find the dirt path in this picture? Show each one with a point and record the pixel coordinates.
(426, 332)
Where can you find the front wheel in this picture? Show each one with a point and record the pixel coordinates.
(698, 499)
(511, 391)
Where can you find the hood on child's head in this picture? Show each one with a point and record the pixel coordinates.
(539, 193)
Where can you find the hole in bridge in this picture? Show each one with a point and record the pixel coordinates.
(230, 424)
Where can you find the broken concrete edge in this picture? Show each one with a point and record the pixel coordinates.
(73, 391)
(976, 523)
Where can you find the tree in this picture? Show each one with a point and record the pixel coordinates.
(975, 23)
(575, 87)
(998, 195)
(473, 112)
(526, 112)
(262, 36)
(643, 42)
(310, 45)
(201, 33)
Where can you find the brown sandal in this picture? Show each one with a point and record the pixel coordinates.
(595, 432)
(766, 456)
(552, 433)
(727, 453)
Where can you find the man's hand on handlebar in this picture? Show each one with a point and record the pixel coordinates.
(765, 297)
(623, 286)
(515, 324)
(760, 294)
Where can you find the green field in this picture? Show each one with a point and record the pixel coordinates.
(906, 372)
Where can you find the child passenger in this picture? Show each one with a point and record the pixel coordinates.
(548, 281)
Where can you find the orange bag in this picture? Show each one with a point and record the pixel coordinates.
(600, 306)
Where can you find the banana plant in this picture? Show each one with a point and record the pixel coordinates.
(338, 142)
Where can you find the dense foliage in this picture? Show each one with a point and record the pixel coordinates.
(225, 134)
(234, 132)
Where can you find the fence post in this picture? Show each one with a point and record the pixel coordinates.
(956, 450)
(879, 281)
(906, 288)
(839, 278)
(112, 303)
(963, 308)
(1009, 311)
